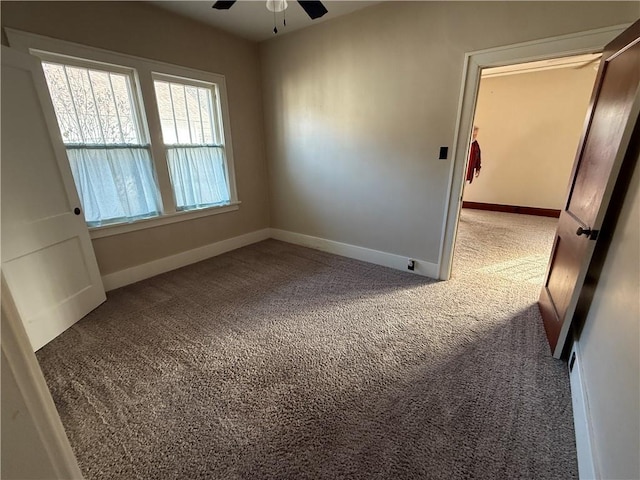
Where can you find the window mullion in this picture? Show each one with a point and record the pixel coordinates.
(186, 109)
(214, 118)
(200, 116)
(173, 113)
(157, 147)
(95, 107)
(132, 92)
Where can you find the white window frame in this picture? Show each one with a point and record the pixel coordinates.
(218, 126)
(143, 72)
(163, 77)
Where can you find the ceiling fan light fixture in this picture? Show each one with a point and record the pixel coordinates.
(277, 5)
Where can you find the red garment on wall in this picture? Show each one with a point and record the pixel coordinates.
(475, 162)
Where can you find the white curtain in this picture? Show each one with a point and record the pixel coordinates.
(198, 176)
(114, 184)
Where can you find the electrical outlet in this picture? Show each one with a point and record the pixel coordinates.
(572, 361)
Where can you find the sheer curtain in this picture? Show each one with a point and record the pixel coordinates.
(198, 176)
(115, 184)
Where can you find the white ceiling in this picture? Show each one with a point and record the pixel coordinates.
(250, 19)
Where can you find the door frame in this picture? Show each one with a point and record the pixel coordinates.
(591, 41)
(40, 410)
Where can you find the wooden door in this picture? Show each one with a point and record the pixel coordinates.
(47, 256)
(611, 117)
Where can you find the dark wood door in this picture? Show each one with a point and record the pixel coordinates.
(611, 117)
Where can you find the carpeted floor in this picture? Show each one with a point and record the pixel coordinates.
(280, 362)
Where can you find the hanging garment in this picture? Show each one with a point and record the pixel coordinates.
(474, 161)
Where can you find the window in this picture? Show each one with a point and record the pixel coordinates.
(109, 157)
(148, 143)
(192, 134)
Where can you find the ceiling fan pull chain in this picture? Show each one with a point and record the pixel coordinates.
(275, 28)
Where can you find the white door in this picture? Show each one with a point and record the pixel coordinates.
(47, 255)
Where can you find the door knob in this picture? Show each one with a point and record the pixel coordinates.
(77, 211)
(587, 232)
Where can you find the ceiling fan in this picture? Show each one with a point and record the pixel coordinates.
(315, 9)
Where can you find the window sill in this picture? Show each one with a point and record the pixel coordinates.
(119, 228)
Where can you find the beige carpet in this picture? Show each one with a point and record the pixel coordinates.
(513, 247)
(280, 362)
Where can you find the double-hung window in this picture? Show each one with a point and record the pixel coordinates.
(108, 151)
(148, 143)
(194, 141)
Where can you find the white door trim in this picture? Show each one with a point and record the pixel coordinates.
(573, 44)
(33, 389)
(587, 465)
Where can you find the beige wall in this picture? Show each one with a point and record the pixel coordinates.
(609, 348)
(357, 108)
(530, 126)
(149, 32)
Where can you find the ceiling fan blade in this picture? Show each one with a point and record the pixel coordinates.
(223, 5)
(314, 9)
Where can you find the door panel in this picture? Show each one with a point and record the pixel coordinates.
(24, 174)
(559, 277)
(47, 255)
(614, 104)
(25, 270)
(612, 116)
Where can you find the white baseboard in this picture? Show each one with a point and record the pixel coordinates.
(587, 469)
(156, 267)
(391, 260)
(131, 275)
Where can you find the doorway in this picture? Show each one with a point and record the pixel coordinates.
(573, 44)
(528, 121)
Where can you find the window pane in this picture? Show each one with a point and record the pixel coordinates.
(122, 97)
(107, 114)
(205, 112)
(163, 99)
(93, 107)
(62, 103)
(114, 184)
(193, 111)
(180, 112)
(86, 110)
(186, 114)
(198, 176)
